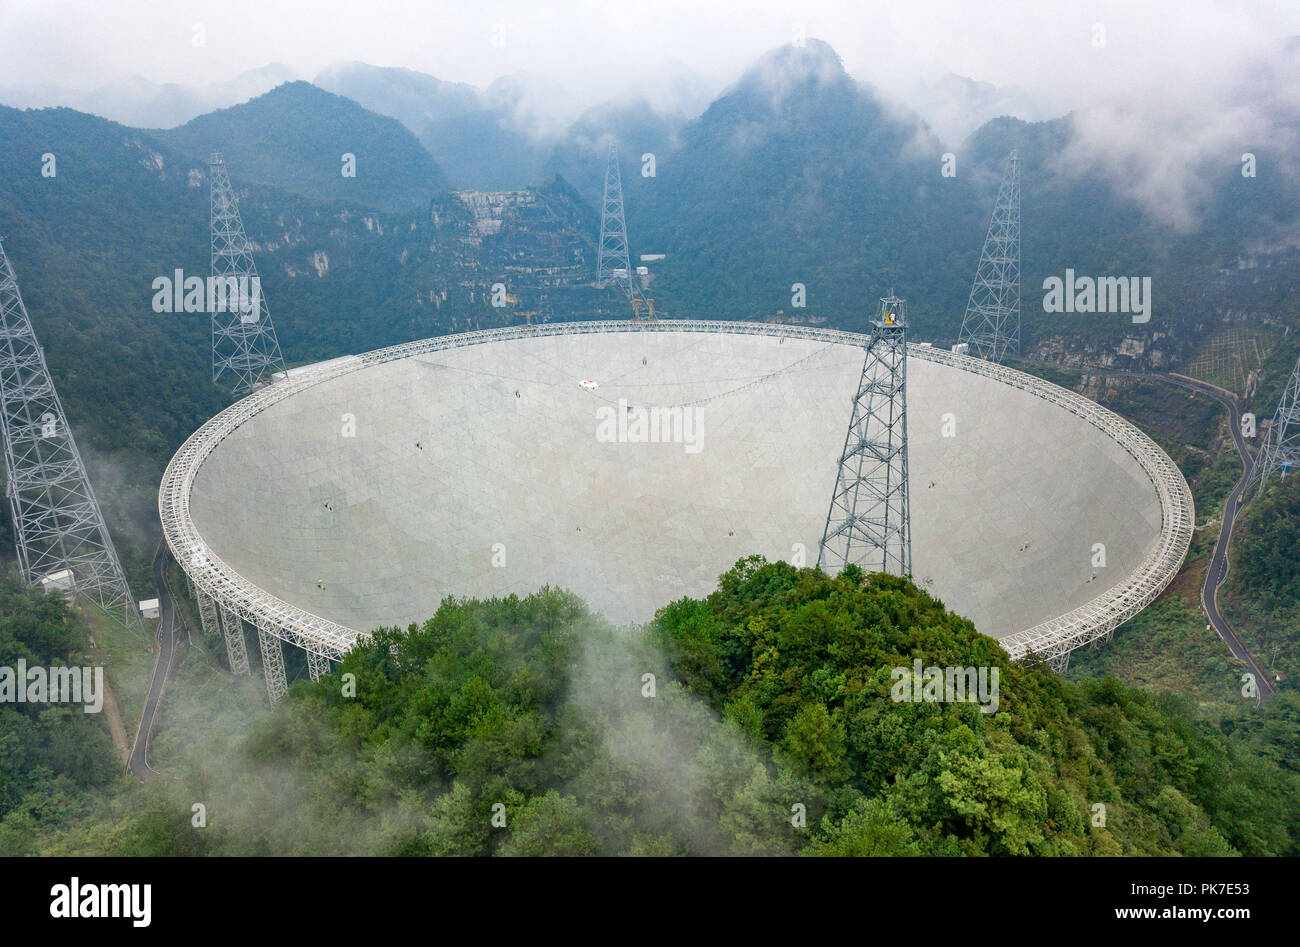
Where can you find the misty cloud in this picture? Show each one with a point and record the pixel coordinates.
(1170, 154)
(1162, 96)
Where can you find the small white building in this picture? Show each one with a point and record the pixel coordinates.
(149, 608)
(63, 582)
(961, 348)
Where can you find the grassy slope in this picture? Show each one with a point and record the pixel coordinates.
(1168, 647)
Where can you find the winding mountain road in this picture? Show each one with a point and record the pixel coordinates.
(165, 655)
(1220, 565)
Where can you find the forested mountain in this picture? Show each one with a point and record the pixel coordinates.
(771, 727)
(798, 173)
(1264, 585)
(476, 135)
(136, 101)
(491, 139)
(50, 754)
(413, 98)
(482, 151)
(296, 136)
(639, 129)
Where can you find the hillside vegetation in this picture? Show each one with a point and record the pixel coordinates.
(1264, 584)
(295, 136)
(54, 758)
(530, 727)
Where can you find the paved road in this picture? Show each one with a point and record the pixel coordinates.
(164, 657)
(1220, 565)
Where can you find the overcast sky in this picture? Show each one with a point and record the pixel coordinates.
(1167, 48)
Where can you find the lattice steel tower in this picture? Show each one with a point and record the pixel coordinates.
(992, 321)
(1281, 452)
(244, 346)
(57, 521)
(869, 521)
(614, 255)
(613, 227)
